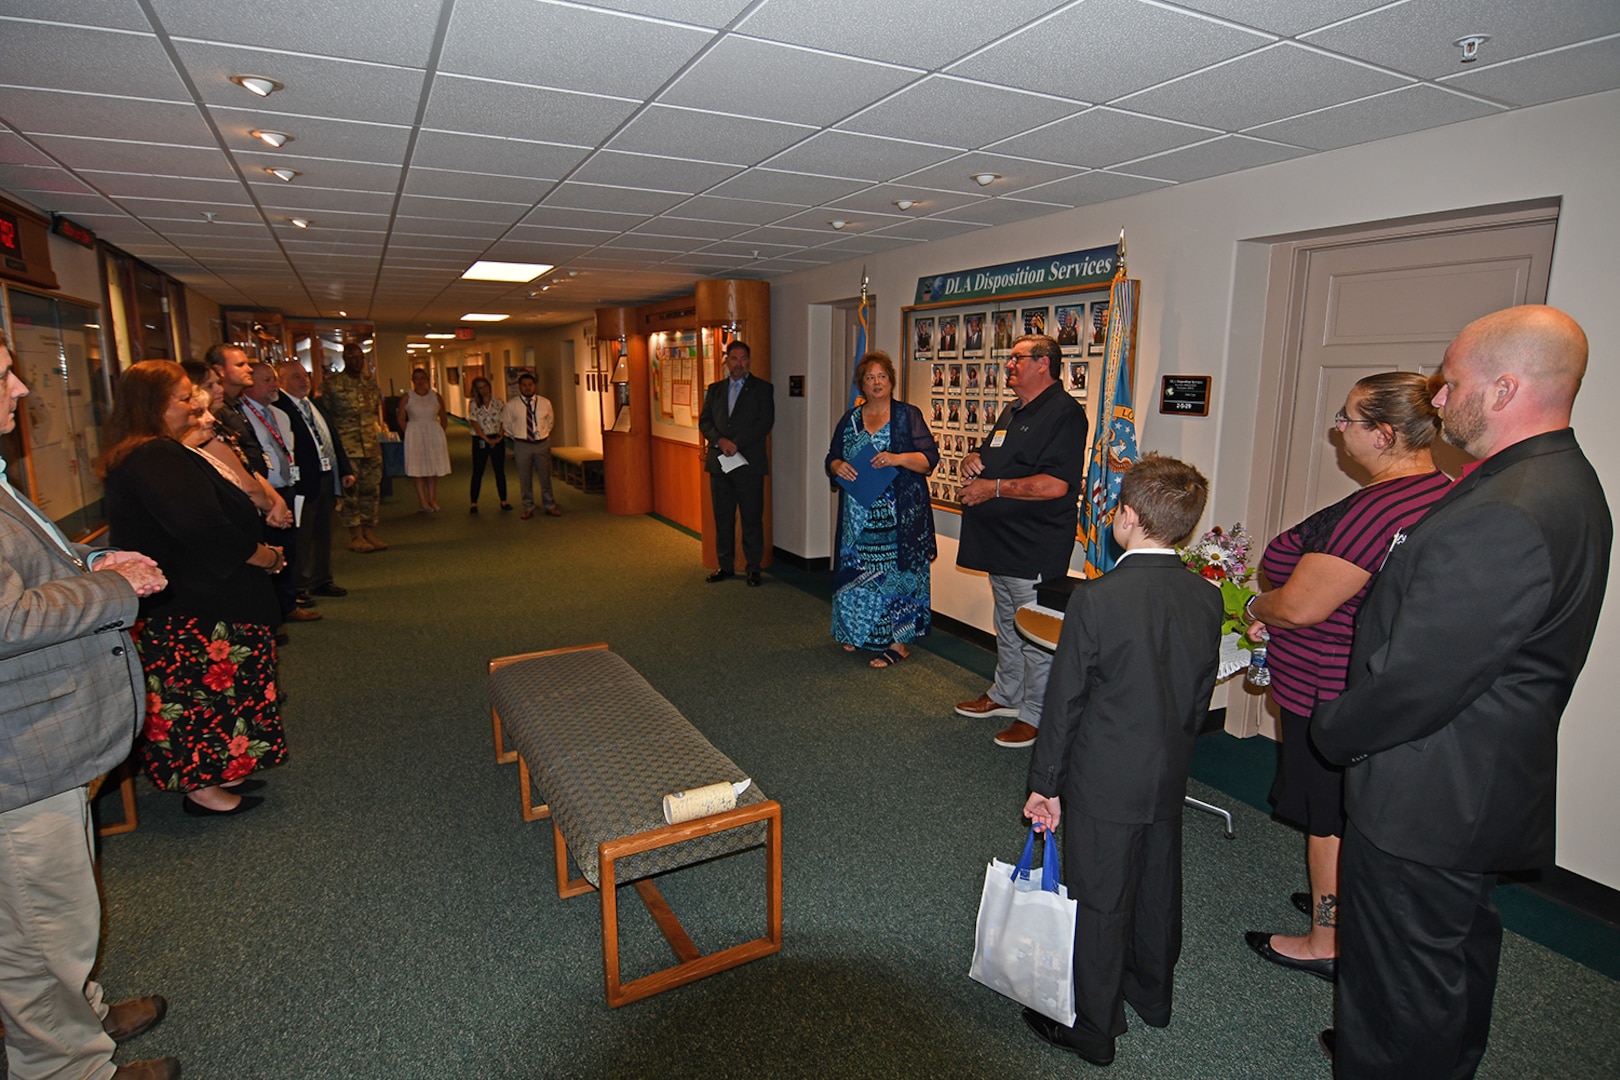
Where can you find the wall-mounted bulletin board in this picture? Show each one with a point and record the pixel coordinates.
(961, 330)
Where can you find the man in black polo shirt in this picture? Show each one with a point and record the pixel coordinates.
(1019, 514)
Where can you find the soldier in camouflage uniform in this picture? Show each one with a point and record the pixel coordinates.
(353, 401)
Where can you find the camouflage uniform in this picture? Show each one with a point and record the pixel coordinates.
(353, 406)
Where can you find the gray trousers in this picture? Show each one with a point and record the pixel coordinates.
(1021, 667)
(50, 923)
(531, 458)
(315, 538)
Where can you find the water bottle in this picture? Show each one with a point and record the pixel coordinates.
(1259, 675)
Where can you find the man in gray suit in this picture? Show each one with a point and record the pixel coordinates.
(71, 698)
(1466, 652)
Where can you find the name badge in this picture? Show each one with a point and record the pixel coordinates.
(999, 437)
(292, 474)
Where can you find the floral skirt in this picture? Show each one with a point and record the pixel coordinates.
(212, 711)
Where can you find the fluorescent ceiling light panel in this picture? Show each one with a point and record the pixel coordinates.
(488, 270)
(477, 316)
(440, 337)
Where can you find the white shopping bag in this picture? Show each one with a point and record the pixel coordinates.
(1024, 944)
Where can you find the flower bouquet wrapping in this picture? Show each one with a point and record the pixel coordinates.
(1222, 556)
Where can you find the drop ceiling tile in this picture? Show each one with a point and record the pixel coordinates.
(175, 208)
(859, 157)
(1015, 174)
(703, 230)
(771, 185)
(954, 112)
(114, 14)
(652, 171)
(622, 200)
(1091, 187)
(1229, 153)
(999, 211)
(547, 234)
(783, 82)
(296, 196)
(99, 116)
(706, 261)
(202, 230)
(21, 179)
(880, 199)
(453, 150)
(1411, 108)
(1294, 17)
(333, 220)
(820, 219)
(775, 238)
(134, 157)
(1584, 69)
(929, 229)
(1042, 57)
(120, 185)
(1101, 137)
(1417, 36)
(1280, 81)
(385, 31)
(545, 44)
(548, 251)
(312, 136)
(662, 129)
(745, 211)
(871, 243)
(480, 107)
(900, 31)
(34, 54)
(15, 150)
(565, 218)
(461, 210)
(312, 85)
(320, 172)
(446, 183)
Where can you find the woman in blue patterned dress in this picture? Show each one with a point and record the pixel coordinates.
(881, 589)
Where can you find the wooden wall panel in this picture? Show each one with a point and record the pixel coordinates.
(678, 482)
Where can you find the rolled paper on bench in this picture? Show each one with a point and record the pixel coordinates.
(700, 802)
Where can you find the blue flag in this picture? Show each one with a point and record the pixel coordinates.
(1113, 448)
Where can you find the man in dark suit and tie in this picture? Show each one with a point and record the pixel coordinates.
(71, 699)
(1466, 652)
(323, 472)
(738, 413)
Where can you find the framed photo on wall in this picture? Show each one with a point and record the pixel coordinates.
(1078, 373)
(973, 333)
(1035, 320)
(925, 337)
(1099, 327)
(947, 343)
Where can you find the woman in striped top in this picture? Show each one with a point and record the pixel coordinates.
(1319, 572)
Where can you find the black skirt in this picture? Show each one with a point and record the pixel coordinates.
(1309, 790)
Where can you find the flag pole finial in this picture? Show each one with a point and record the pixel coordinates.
(1119, 270)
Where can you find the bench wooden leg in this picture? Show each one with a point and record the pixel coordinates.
(692, 965)
(531, 812)
(503, 755)
(126, 792)
(566, 886)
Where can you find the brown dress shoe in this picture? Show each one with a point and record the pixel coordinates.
(150, 1069)
(299, 614)
(1020, 734)
(127, 1019)
(528, 512)
(553, 511)
(985, 705)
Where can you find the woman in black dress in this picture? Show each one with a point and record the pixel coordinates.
(207, 645)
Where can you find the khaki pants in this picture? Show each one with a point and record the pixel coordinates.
(360, 501)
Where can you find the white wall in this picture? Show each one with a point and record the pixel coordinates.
(1186, 244)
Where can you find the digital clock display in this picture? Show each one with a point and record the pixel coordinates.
(10, 238)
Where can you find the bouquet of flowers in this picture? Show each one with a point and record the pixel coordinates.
(1222, 556)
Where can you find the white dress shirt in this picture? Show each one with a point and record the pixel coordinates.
(516, 418)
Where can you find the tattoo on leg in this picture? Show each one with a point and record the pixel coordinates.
(1327, 910)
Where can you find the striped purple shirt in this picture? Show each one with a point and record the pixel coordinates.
(1310, 664)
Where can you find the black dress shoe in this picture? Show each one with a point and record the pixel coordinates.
(1050, 1032)
(1302, 901)
(305, 602)
(197, 809)
(753, 578)
(719, 575)
(1260, 942)
(282, 638)
(1325, 1041)
(246, 787)
(329, 589)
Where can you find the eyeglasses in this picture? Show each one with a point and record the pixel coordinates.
(1342, 420)
(1019, 358)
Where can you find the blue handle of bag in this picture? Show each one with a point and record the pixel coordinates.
(1049, 858)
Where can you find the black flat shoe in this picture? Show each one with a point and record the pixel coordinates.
(1260, 942)
(753, 578)
(197, 809)
(1302, 901)
(1326, 1041)
(506, 506)
(246, 787)
(1050, 1032)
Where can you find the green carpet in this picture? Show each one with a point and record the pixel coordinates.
(388, 914)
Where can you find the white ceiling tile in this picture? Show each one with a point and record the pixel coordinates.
(461, 210)
(319, 172)
(929, 229)
(456, 151)
(1043, 57)
(622, 200)
(36, 178)
(161, 208)
(1229, 153)
(1417, 36)
(899, 31)
(954, 112)
(114, 14)
(1584, 69)
(206, 192)
(703, 230)
(105, 117)
(136, 157)
(746, 211)
(1294, 17)
(783, 82)
(487, 187)
(509, 250)
(860, 157)
(16, 150)
(1280, 81)
(1089, 188)
(789, 187)
(999, 211)
(880, 199)
(652, 171)
(662, 129)
(597, 220)
(297, 196)
(1015, 173)
(747, 248)
(523, 112)
(778, 237)
(34, 54)
(546, 234)
(312, 136)
(312, 85)
(821, 218)
(1101, 137)
(444, 232)
(544, 44)
(1410, 108)
(385, 31)
(850, 246)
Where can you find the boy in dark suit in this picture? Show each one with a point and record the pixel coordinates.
(1130, 685)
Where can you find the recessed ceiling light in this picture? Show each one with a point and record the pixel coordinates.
(488, 270)
(257, 84)
(343, 314)
(837, 224)
(278, 139)
(480, 316)
(284, 175)
(985, 179)
(905, 204)
(299, 223)
(440, 337)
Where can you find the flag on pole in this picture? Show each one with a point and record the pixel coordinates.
(1113, 448)
(862, 317)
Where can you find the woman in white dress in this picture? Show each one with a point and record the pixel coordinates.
(427, 452)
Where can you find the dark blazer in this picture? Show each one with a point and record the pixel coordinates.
(71, 695)
(307, 454)
(235, 423)
(1130, 685)
(748, 424)
(1466, 650)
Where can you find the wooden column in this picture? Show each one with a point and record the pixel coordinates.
(627, 455)
(723, 302)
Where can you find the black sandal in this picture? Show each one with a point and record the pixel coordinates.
(890, 657)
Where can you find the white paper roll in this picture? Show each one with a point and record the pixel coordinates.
(682, 806)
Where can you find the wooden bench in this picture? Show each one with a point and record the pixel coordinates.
(603, 748)
(578, 466)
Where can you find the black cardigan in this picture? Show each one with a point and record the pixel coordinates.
(165, 501)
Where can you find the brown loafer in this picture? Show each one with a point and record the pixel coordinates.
(985, 705)
(150, 1069)
(299, 614)
(128, 1019)
(1020, 734)
(553, 511)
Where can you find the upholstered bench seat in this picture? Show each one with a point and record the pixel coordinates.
(578, 466)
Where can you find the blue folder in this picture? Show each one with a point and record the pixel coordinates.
(870, 481)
